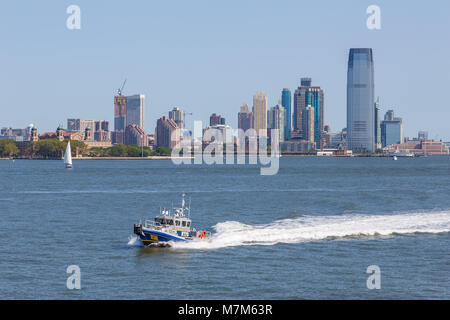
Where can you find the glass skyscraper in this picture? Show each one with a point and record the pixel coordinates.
(361, 100)
(286, 102)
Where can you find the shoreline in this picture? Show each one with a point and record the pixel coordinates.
(192, 158)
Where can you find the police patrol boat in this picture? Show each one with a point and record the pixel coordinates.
(170, 226)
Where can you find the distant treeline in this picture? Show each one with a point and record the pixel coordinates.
(54, 149)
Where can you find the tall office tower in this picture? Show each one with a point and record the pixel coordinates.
(135, 135)
(245, 118)
(377, 125)
(389, 115)
(277, 120)
(135, 110)
(307, 95)
(79, 125)
(215, 120)
(286, 102)
(260, 113)
(360, 100)
(120, 113)
(309, 124)
(165, 127)
(391, 130)
(178, 116)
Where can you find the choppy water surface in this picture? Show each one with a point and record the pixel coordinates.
(309, 232)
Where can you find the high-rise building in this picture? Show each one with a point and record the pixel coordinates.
(260, 113)
(135, 135)
(165, 128)
(79, 125)
(391, 130)
(360, 100)
(245, 118)
(215, 120)
(120, 113)
(277, 120)
(178, 116)
(309, 124)
(286, 102)
(389, 116)
(307, 95)
(377, 124)
(135, 110)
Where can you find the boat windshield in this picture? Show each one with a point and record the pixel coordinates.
(163, 221)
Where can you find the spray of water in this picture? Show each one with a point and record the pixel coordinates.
(304, 229)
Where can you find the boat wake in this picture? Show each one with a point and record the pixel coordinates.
(309, 228)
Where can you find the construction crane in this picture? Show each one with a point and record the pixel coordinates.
(119, 91)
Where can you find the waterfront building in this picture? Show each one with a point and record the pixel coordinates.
(245, 118)
(135, 107)
(377, 125)
(260, 113)
(79, 125)
(135, 135)
(177, 115)
(420, 148)
(276, 119)
(304, 96)
(165, 128)
(286, 102)
(101, 132)
(120, 112)
(422, 135)
(360, 100)
(391, 130)
(102, 125)
(308, 124)
(296, 146)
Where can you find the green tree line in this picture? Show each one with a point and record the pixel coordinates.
(8, 148)
(54, 149)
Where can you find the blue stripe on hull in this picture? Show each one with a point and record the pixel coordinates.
(155, 237)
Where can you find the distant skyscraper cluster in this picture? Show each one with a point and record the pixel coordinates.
(299, 121)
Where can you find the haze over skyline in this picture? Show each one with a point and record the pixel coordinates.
(211, 57)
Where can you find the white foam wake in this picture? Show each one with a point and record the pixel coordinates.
(231, 233)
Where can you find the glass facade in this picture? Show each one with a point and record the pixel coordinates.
(360, 101)
(135, 110)
(391, 132)
(286, 102)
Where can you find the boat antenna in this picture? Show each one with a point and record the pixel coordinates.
(189, 212)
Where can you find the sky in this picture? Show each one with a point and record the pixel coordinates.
(212, 56)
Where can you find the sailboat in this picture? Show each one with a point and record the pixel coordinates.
(68, 156)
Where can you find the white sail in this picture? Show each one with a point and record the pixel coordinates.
(68, 156)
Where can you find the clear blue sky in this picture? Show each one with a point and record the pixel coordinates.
(212, 56)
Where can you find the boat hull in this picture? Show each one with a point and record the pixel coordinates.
(149, 237)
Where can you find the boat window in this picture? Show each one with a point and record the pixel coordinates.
(188, 223)
(184, 223)
(177, 222)
(170, 222)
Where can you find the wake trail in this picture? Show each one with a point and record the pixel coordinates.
(316, 228)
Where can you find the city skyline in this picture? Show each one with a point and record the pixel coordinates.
(223, 80)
